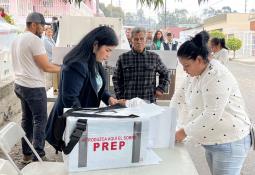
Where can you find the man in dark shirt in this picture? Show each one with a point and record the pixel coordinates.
(170, 44)
(135, 73)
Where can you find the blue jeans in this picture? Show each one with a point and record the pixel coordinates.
(228, 158)
(34, 117)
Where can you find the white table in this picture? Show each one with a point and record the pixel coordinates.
(176, 161)
(50, 96)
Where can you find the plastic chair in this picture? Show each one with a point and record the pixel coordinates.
(9, 136)
(7, 168)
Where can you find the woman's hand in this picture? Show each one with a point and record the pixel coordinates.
(122, 102)
(180, 135)
(112, 101)
(158, 93)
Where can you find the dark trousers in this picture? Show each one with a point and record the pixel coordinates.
(34, 117)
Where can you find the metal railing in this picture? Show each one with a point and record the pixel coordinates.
(47, 7)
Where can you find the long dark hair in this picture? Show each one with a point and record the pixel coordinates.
(102, 35)
(197, 46)
(155, 36)
(219, 41)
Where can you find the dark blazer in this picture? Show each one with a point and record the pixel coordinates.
(174, 46)
(77, 89)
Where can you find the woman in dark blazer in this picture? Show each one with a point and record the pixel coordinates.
(82, 82)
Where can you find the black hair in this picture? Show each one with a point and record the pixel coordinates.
(155, 36)
(197, 46)
(219, 41)
(169, 34)
(206, 35)
(137, 30)
(54, 18)
(28, 24)
(83, 51)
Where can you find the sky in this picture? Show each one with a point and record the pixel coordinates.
(190, 5)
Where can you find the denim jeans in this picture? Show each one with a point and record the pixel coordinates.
(34, 117)
(228, 158)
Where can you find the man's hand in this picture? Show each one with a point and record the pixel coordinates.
(158, 93)
(112, 101)
(180, 135)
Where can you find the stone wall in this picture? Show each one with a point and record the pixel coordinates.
(9, 103)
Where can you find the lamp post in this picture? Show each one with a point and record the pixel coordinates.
(165, 14)
(111, 8)
(245, 6)
(97, 7)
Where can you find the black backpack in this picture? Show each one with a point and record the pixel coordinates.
(81, 125)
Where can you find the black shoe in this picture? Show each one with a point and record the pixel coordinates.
(44, 158)
(27, 159)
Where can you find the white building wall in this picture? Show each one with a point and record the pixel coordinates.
(248, 42)
(187, 34)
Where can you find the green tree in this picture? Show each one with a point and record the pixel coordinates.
(129, 19)
(210, 12)
(112, 11)
(226, 9)
(149, 3)
(252, 11)
(140, 16)
(158, 3)
(180, 13)
(176, 18)
(234, 44)
(217, 34)
(155, 3)
(9, 19)
(104, 9)
(139, 20)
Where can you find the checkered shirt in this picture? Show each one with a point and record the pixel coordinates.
(135, 76)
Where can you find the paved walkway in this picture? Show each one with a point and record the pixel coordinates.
(245, 60)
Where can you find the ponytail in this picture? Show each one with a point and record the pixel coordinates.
(197, 46)
(220, 42)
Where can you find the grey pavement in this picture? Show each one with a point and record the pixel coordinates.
(244, 73)
(244, 59)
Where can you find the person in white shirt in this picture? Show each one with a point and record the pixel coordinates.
(30, 61)
(212, 108)
(219, 49)
(170, 44)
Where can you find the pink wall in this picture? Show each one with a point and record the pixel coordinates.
(175, 30)
(48, 8)
(13, 6)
